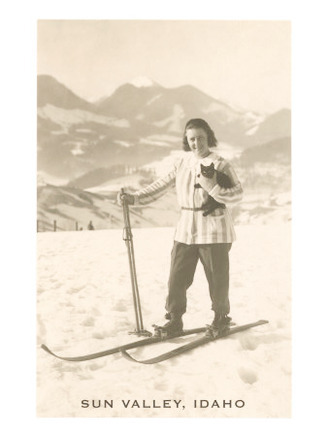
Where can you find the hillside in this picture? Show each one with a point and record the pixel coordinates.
(73, 209)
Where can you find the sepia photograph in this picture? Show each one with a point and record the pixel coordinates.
(164, 234)
(164, 218)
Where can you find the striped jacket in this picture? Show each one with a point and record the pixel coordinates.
(193, 227)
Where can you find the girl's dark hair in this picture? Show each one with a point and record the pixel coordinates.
(199, 123)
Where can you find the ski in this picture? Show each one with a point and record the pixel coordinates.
(192, 345)
(138, 343)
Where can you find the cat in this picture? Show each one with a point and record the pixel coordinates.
(222, 179)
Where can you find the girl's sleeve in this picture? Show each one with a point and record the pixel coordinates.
(157, 189)
(228, 196)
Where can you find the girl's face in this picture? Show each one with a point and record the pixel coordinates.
(197, 141)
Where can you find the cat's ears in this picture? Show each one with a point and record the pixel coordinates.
(207, 166)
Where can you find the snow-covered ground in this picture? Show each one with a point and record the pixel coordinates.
(85, 305)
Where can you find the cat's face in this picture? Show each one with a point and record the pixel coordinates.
(207, 170)
(198, 143)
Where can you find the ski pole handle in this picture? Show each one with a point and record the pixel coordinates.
(122, 196)
(127, 234)
(126, 198)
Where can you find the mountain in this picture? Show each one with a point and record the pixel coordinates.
(130, 100)
(277, 151)
(168, 110)
(277, 125)
(52, 92)
(139, 123)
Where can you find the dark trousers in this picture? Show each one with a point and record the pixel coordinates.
(184, 258)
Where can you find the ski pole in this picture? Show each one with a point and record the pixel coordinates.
(128, 238)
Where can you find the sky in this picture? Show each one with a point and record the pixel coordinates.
(245, 63)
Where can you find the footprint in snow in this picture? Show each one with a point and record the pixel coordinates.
(161, 386)
(248, 342)
(90, 321)
(247, 375)
(96, 366)
(120, 306)
(74, 290)
(100, 335)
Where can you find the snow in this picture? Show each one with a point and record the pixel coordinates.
(66, 117)
(254, 117)
(153, 99)
(154, 142)
(85, 305)
(78, 148)
(115, 185)
(227, 151)
(164, 137)
(252, 130)
(226, 113)
(44, 178)
(164, 165)
(172, 123)
(161, 140)
(261, 208)
(142, 82)
(122, 143)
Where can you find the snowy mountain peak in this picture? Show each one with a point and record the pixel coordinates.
(142, 82)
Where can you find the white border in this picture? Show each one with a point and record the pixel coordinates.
(18, 41)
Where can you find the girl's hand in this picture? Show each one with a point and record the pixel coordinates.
(206, 183)
(128, 198)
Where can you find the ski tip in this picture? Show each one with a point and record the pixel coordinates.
(45, 348)
(126, 355)
(129, 357)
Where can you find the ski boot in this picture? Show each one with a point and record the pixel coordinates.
(220, 325)
(172, 328)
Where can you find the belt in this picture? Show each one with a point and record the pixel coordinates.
(218, 205)
(192, 209)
